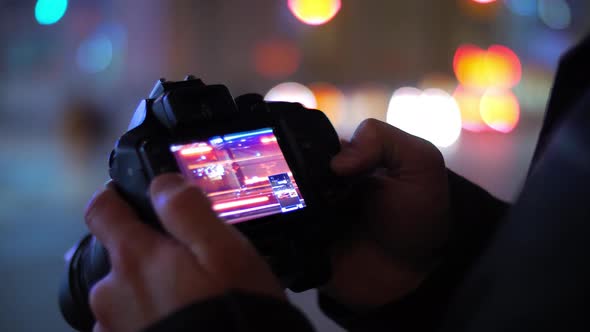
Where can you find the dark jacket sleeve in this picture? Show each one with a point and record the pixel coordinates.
(236, 311)
(476, 214)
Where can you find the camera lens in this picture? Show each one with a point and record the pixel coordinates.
(85, 267)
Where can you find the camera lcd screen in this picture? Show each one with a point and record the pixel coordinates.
(245, 174)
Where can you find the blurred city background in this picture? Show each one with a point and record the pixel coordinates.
(472, 76)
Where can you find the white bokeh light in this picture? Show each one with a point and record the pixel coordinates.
(431, 114)
(292, 92)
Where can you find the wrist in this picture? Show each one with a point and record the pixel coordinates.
(365, 278)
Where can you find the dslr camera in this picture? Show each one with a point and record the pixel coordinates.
(265, 167)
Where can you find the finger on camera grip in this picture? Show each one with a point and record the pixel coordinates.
(378, 144)
(117, 227)
(186, 213)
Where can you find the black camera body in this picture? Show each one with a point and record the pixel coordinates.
(264, 165)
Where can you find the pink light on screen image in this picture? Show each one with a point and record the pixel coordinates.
(245, 175)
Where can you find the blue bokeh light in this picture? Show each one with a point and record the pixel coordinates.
(50, 11)
(556, 14)
(522, 7)
(95, 54)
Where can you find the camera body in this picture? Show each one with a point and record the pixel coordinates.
(186, 124)
(264, 165)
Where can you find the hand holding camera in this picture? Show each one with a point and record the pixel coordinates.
(154, 274)
(400, 216)
(264, 167)
(264, 196)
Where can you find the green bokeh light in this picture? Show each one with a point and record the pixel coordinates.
(50, 11)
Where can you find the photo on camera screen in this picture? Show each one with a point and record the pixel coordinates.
(244, 174)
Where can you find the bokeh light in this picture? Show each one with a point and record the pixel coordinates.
(314, 12)
(50, 11)
(469, 103)
(522, 7)
(292, 92)
(276, 59)
(431, 114)
(503, 66)
(498, 67)
(330, 100)
(557, 14)
(95, 54)
(116, 32)
(500, 110)
(469, 64)
(483, 10)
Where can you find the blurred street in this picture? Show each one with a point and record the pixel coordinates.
(472, 77)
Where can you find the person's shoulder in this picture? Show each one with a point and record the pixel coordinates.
(578, 54)
(570, 84)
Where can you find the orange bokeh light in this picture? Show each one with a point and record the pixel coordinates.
(503, 67)
(314, 12)
(482, 10)
(330, 100)
(276, 59)
(469, 104)
(498, 67)
(500, 110)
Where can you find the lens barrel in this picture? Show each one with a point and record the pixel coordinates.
(87, 265)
